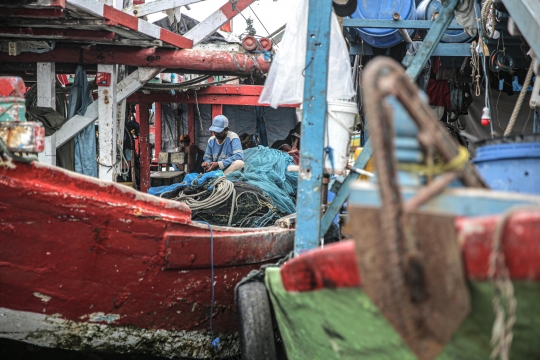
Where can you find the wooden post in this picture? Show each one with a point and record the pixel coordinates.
(46, 87)
(144, 144)
(107, 118)
(217, 110)
(191, 122)
(157, 131)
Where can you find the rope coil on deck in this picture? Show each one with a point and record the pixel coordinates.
(221, 192)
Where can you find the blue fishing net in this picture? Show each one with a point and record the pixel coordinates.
(266, 169)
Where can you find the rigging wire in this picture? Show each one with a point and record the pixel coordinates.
(268, 32)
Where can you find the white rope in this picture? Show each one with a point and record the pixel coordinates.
(222, 190)
(475, 65)
(199, 111)
(519, 102)
(504, 301)
(488, 14)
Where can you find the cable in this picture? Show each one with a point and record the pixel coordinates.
(215, 341)
(177, 86)
(268, 32)
(198, 111)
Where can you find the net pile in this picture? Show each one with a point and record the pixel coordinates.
(266, 169)
(255, 197)
(248, 206)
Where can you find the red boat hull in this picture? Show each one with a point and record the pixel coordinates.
(117, 265)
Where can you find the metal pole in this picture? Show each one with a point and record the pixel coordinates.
(415, 64)
(308, 233)
(403, 32)
(345, 190)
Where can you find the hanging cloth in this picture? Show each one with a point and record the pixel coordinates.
(85, 141)
(261, 126)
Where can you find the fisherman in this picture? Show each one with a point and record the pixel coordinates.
(292, 142)
(247, 141)
(224, 150)
(193, 153)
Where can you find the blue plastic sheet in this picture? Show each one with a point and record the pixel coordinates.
(193, 179)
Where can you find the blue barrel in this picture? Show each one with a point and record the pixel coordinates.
(426, 11)
(383, 10)
(511, 163)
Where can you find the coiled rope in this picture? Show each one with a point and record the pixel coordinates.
(487, 10)
(475, 65)
(221, 192)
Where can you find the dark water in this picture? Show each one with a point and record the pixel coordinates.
(16, 350)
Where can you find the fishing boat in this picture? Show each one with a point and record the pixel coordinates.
(97, 266)
(323, 311)
(440, 265)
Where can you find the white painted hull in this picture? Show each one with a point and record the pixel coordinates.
(55, 332)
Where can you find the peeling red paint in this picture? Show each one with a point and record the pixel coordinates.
(336, 266)
(99, 247)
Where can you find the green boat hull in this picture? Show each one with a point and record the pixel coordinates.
(343, 323)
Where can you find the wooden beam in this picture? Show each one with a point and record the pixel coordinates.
(191, 122)
(46, 97)
(156, 6)
(217, 109)
(157, 131)
(107, 111)
(126, 87)
(220, 17)
(202, 99)
(116, 17)
(144, 144)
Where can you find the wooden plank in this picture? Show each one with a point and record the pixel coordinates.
(46, 93)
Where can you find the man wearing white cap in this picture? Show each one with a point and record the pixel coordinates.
(224, 149)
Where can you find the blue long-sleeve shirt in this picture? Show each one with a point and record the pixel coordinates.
(231, 150)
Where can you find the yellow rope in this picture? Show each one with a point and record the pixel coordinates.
(457, 163)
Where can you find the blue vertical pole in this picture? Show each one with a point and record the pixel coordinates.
(313, 127)
(536, 123)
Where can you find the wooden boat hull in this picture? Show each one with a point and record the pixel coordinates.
(93, 265)
(322, 311)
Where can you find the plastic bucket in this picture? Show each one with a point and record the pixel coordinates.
(426, 11)
(510, 164)
(383, 10)
(339, 121)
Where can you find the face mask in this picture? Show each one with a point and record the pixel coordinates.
(222, 135)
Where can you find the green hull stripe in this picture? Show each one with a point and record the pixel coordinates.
(345, 324)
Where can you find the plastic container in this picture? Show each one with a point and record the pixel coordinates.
(510, 163)
(383, 10)
(426, 10)
(340, 121)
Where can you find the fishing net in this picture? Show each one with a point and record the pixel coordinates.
(266, 169)
(255, 197)
(248, 206)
